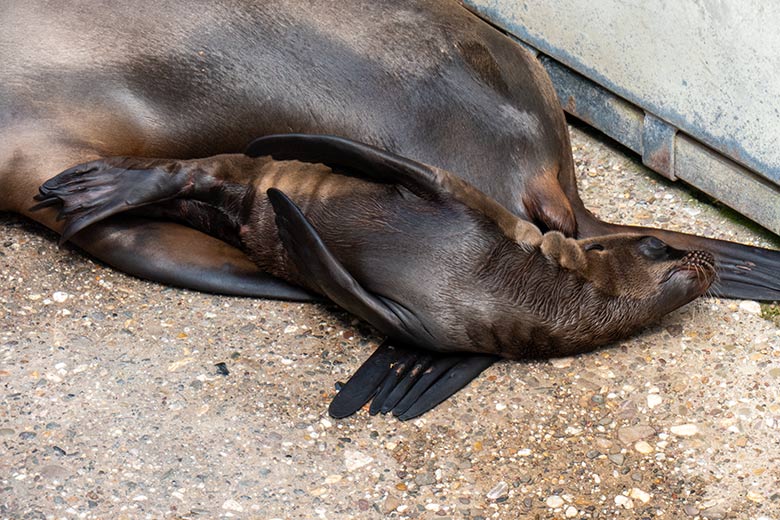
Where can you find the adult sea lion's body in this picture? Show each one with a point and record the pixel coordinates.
(427, 80)
(415, 251)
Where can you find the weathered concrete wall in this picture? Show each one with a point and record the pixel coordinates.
(708, 68)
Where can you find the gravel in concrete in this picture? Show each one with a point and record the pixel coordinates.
(126, 399)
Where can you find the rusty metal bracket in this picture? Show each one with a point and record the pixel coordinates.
(658, 145)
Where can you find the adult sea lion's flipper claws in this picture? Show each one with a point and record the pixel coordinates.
(326, 274)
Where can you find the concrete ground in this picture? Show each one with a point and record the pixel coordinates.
(112, 406)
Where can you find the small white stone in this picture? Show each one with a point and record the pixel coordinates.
(500, 406)
(498, 490)
(554, 501)
(684, 430)
(355, 460)
(325, 423)
(432, 507)
(232, 505)
(525, 452)
(643, 447)
(289, 329)
(139, 498)
(654, 400)
(624, 502)
(209, 315)
(571, 512)
(59, 296)
(754, 496)
(640, 495)
(564, 362)
(332, 479)
(750, 306)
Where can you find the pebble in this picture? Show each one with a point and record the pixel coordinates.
(754, 496)
(354, 459)
(714, 513)
(332, 479)
(750, 307)
(425, 479)
(54, 472)
(654, 400)
(499, 490)
(616, 458)
(631, 434)
(571, 512)
(684, 430)
(564, 362)
(554, 501)
(624, 502)
(391, 503)
(690, 510)
(643, 447)
(638, 494)
(232, 505)
(59, 296)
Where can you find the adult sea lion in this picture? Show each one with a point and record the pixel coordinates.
(428, 80)
(424, 257)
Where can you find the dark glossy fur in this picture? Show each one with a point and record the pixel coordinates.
(426, 79)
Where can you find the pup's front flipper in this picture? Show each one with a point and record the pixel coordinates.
(325, 273)
(406, 374)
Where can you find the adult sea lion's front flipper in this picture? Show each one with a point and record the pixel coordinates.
(396, 373)
(104, 192)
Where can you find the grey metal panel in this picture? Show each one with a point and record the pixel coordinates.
(715, 77)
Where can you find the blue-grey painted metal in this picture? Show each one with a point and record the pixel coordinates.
(707, 91)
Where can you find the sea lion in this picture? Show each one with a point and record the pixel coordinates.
(418, 253)
(428, 80)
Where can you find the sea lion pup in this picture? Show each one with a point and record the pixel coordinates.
(422, 78)
(425, 258)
